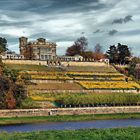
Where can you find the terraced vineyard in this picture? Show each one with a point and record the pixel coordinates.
(55, 86)
(82, 86)
(102, 78)
(110, 85)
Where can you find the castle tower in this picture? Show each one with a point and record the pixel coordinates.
(23, 41)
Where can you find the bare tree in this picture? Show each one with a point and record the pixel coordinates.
(79, 46)
(98, 53)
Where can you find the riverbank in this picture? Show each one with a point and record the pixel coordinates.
(66, 118)
(129, 133)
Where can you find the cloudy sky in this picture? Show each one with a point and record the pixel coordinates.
(62, 21)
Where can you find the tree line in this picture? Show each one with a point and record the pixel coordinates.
(80, 47)
(119, 54)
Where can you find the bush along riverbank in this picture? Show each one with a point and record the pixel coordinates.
(67, 118)
(88, 134)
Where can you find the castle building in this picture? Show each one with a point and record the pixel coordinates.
(37, 50)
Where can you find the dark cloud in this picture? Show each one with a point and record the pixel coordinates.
(97, 31)
(128, 18)
(118, 21)
(122, 20)
(112, 32)
(46, 6)
(82, 32)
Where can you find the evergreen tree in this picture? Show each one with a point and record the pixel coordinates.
(124, 52)
(119, 54)
(3, 45)
(112, 54)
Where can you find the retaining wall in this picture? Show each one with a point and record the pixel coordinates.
(69, 111)
(84, 63)
(28, 62)
(86, 91)
(39, 62)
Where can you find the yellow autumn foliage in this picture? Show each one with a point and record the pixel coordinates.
(109, 85)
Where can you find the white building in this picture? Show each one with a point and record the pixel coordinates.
(71, 58)
(11, 55)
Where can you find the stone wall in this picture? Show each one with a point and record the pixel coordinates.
(37, 62)
(69, 111)
(87, 91)
(84, 64)
(28, 62)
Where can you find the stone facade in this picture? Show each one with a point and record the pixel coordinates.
(37, 50)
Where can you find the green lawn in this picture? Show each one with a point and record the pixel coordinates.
(129, 133)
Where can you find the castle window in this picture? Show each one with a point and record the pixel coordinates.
(46, 57)
(42, 57)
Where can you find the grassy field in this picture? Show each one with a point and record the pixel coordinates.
(24, 67)
(106, 69)
(129, 133)
(66, 118)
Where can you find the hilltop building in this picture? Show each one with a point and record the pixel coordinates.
(37, 50)
(11, 55)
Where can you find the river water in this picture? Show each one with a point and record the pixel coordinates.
(71, 125)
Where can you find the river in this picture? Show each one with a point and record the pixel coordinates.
(71, 125)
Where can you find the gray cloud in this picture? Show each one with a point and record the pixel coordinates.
(97, 31)
(112, 32)
(122, 20)
(82, 33)
(118, 21)
(128, 18)
(55, 6)
(63, 21)
(130, 32)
